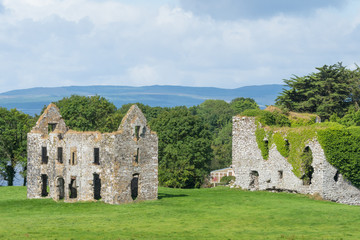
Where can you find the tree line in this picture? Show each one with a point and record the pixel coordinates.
(192, 141)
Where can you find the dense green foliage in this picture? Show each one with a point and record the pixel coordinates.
(184, 148)
(227, 179)
(191, 141)
(216, 213)
(333, 89)
(342, 150)
(340, 144)
(241, 104)
(267, 118)
(218, 115)
(89, 113)
(282, 144)
(14, 126)
(262, 140)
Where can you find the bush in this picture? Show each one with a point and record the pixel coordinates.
(267, 118)
(227, 179)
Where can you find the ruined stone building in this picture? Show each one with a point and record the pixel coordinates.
(117, 167)
(276, 173)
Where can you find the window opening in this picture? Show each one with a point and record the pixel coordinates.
(44, 157)
(60, 155)
(44, 185)
(60, 136)
(73, 157)
(61, 188)
(96, 156)
(51, 127)
(97, 186)
(307, 170)
(336, 177)
(254, 180)
(281, 174)
(136, 157)
(137, 132)
(72, 188)
(134, 186)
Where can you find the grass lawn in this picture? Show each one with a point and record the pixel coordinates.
(218, 213)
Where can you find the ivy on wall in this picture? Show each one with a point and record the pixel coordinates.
(342, 150)
(261, 135)
(341, 146)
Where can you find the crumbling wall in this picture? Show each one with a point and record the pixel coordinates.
(92, 165)
(254, 173)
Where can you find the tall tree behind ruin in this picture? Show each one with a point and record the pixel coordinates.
(184, 148)
(333, 89)
(14, 126)
(93, 113)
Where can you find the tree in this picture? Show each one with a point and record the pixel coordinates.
(241, 104)
(184, 148)
(89, 113)
(14, 126)
(333, 89)
(222, 148)
(217, 113)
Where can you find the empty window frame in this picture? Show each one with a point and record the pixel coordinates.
(44, 185)
(73, 156)
(60, 154)
(137, 132)
(72, 188)
(96, 156)
(281, 174)
(135, 186)
(97, 186)
(51, 127)
(336, 176)
(306, 160)
(44, 157)
(136, 157)
(61, 188)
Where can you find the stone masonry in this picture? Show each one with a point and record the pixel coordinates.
(254, 173)
(117, 167)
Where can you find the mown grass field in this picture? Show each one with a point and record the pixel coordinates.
(219, 213)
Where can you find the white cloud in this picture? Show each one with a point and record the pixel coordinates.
(81, 42)
(143, 75)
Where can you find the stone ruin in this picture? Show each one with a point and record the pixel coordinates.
(118, 167)
(252, 172)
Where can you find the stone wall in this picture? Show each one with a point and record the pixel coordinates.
(117, 167)
(254, 173)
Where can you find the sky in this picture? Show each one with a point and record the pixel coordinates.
(207, 43)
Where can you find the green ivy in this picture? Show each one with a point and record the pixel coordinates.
(297, 139)
(261, 134)
(341, 145)
(342, 150)
(281, 144)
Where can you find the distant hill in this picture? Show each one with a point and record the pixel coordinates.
(32, 100)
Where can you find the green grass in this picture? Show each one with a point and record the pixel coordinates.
(218, 213)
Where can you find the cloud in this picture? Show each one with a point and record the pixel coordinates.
(83, 42)
(245, 9)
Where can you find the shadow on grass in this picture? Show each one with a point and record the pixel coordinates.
(165, 195)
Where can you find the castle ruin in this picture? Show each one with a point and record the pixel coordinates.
(252, 172)
(117, 167)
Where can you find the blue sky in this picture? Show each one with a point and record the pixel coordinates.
(215, 43)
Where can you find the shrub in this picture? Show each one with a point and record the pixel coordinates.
(227, 179)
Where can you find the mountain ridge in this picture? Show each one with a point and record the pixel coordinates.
(32, 100)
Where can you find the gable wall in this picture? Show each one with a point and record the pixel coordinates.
(247, 159)
(117, 160)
